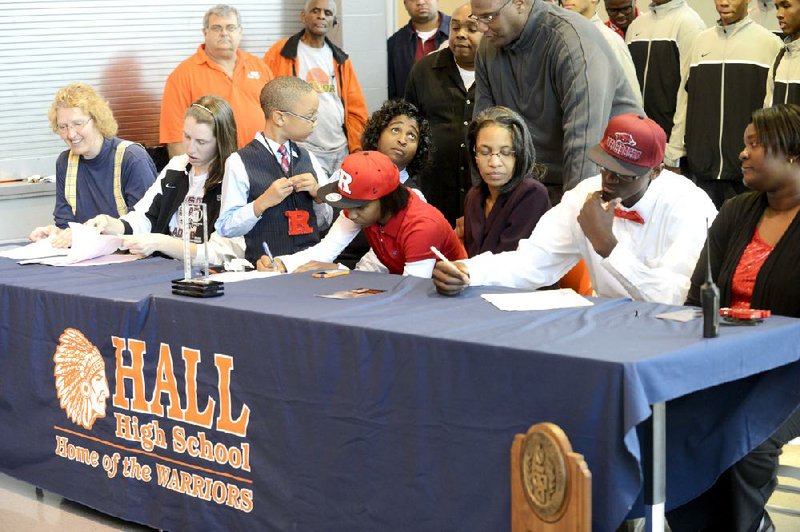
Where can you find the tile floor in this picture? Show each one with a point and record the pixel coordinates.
(22, 511)
(785, 523)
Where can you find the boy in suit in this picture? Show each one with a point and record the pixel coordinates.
(269, 193)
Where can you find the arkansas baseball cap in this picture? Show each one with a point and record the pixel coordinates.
(631, 145)
(363, 177)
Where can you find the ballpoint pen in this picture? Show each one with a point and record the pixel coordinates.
(267, 252)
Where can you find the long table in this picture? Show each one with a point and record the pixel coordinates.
(272, 409)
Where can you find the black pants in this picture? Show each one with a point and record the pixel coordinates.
(735, 503)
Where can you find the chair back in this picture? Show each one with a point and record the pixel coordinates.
(551, 486)
(578, 279)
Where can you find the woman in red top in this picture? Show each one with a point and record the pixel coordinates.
(399, 226)
(754, 246)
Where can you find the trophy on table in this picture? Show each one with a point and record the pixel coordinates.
(193, 225)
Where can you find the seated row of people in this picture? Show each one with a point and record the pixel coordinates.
(652, 249)
(399, 226)
(269, 193)
(503, 208)
(500, 211)
(639, 227)
(209, 138)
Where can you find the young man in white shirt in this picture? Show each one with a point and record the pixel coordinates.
(639, 228)
(660, 40)
(722, 83)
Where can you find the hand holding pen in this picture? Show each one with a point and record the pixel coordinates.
(449, 277)
(268, 263)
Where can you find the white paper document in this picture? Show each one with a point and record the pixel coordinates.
(87, 244)
(35, 250)
(116, 258)
(684, 315)
(539, 300)
(235, 277)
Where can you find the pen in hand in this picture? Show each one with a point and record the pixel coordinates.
(271, 264)
(450, 265)
(267, 252)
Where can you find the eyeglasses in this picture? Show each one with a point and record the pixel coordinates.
(503, 154)
(620, 178)
(76, 125)
(230, 28)
(309, 119)
(487, 19)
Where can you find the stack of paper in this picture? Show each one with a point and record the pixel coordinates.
(88, 249)
(540, 300)
(34, 250)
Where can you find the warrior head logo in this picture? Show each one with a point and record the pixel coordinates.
(625, 138)
(81, 381)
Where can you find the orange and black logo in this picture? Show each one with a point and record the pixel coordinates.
(81, 382)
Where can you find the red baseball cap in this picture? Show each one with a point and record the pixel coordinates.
(363, 177)
(631, 145)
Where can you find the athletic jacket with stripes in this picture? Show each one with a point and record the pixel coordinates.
(784, 85)
(659, 40)
(723, 82)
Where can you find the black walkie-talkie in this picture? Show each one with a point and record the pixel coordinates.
(709, 297)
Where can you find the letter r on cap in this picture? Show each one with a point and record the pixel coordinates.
(344, 181)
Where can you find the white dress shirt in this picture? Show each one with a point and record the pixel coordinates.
(651, 262)
(237, 216)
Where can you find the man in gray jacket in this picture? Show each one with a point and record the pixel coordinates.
(554, 68)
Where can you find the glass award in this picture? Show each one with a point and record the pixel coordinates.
(193, 229)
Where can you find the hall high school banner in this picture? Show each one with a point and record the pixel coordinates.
(141, 449)
(273, 409)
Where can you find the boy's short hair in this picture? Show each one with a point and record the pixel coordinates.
(279, 93)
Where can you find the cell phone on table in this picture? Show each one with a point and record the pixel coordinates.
(325, 274)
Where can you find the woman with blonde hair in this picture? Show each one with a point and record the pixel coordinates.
(195, 177)
(99, 173)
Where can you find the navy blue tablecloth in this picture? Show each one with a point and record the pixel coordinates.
(389, 412)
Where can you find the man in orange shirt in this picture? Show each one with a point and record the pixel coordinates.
(311, 56)
(219, 67)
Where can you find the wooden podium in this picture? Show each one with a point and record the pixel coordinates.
(551, 486)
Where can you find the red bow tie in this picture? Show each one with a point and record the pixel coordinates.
(633, 216)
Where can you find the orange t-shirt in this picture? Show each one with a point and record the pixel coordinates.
(200, 76)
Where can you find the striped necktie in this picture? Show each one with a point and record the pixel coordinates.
(284, 158)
